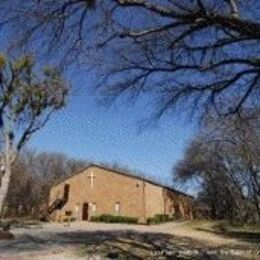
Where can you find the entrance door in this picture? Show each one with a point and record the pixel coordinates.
(85, 211)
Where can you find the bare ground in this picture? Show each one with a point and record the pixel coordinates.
(83, 240)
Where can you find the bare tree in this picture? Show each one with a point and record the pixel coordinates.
(33, 174)
(195, 55)
(225, 159)
(27, 102)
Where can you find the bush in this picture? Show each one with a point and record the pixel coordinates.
(163, 217)
(95, 218)
(66, 220)
(114, 219)
(68, 213)
(159, 218)
(176, 216)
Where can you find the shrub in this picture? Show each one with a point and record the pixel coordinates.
(162, 217)
(69, 219)
(66, 220)
(151, 221)
(159, 218)
(95, 218)
(176, 216)
(114, 219)
(68, 213)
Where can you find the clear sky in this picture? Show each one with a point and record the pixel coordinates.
(86, 129)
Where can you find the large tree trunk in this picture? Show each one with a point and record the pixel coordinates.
(5, 180)
(4, 188)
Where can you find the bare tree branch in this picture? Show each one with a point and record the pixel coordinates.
(205, 52)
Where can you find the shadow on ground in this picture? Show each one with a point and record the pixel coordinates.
(113, 245)
(135, 245)
(243, 236)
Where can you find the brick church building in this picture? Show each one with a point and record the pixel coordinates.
(98, 190)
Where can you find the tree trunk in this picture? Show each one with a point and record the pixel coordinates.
(5, 181)
(4, 189)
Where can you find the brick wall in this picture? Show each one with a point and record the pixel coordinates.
(135, 197)
(108, 189)
(154, 203)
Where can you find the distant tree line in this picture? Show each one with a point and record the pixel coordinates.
(33, 175)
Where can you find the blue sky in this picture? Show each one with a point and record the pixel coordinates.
(88, 130)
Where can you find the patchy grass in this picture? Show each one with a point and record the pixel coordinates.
(19, 222)
(247, 233)
(160, 218)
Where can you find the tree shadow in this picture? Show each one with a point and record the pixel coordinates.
(252, 237)
(244, 236)
(109, 244)
(130, 244)
(117, 244)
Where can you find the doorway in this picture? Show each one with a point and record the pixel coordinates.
(85, 211)
(66, 192)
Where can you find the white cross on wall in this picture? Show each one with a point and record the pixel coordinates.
(92, 176)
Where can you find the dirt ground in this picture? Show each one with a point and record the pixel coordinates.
(83, 240)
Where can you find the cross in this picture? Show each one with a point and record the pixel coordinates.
(92, 176)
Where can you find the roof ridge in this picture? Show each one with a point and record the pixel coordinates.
(119, 171)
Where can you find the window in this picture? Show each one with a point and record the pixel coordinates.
(117, 208)
(77, 209)
(93, 207)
